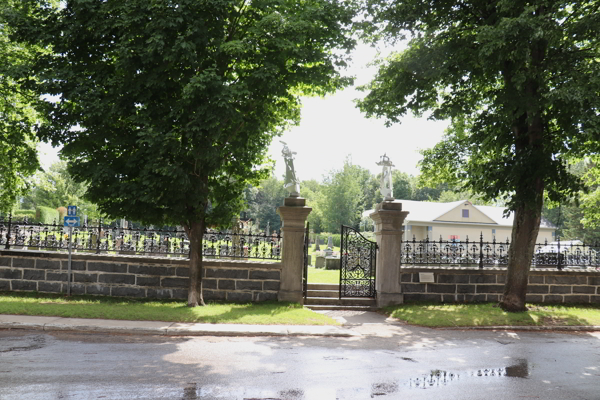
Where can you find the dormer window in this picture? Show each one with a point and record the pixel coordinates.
(465, 213)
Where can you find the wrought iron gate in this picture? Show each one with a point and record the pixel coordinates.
(357, 264)
(305, 272)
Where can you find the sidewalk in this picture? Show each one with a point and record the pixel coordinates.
(354, 324)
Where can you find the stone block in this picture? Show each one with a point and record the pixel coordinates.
(536, 279)
(445, 278)
(159, 293)
(5, 285)
(493, 297)
(422, 297)
(453, 298)
(592, 280)
(226, 284)
(49, 287)
(227, 273)
(97, 290)
(127, 292)
(175, 282)
(489, 289)
(475, 298)
(117, 279)
(239, 297)
(107, 267)
(437, 288)
(534, 298)
(566, 280)
(470, 289)
(209, 283)
(24, 285)
(185, 272)
(180, 294)
(483, 278)
(560, 289)
(75, 265)
(271, 285)
(213, 295)
(405, 278)
(57, 276)
(76, 289)
(412, 287)
(46, 264)
(152, 270)
(501, 279)
(584, 289)
(555, 298)
(577, 299)
(248, 285)
(265, 296)
(5, 261)
(23, 262)
(147, 280)
(89, 278)
(265, 275)
(595, 299)
(539, 289)
(6, 273)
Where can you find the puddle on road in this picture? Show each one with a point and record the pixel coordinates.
(23, 343)
(440, 378)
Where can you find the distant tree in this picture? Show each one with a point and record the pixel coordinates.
(343, 197)
(263, 207)
(402, 185)
(520, 81)
(177, 102)
(313, 192)
(56, 188)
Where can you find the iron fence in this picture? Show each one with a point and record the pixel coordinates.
(480, 254)
(144, 241)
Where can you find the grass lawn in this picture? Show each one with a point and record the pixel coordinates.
(319, 275)
(266, 313)
(488, 314)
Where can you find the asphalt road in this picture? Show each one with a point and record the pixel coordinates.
(390, 361)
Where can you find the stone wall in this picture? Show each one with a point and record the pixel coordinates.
(136, 276)
(454, 284)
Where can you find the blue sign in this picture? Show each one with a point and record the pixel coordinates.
(71, 211)
(71, 221)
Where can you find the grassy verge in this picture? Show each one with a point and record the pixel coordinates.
(266, 313)
(487, 314)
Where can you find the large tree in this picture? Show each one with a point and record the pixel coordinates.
(176, 101)
(342, 203)
(18, 153)
(520, 81)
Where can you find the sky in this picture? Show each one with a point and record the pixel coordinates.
(333, 129)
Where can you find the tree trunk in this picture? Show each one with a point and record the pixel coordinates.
(195, 233)
(525, 230)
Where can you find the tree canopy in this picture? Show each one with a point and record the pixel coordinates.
(18, 153)
(175, 102)
(520, 82)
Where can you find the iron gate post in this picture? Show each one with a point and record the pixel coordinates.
(389, 219)
(293, 215)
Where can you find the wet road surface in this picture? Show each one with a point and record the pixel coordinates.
(390, 361)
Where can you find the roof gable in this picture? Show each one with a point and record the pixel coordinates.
(465, 212)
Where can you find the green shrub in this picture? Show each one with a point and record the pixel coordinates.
(19, 215)
(47, 215)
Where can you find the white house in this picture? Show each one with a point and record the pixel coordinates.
(460, 220)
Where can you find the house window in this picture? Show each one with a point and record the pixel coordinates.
(409, 227)
(429, 228)
(465, 213)
(493, 231)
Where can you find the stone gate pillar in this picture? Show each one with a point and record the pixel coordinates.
(293, 215)
(388, 218)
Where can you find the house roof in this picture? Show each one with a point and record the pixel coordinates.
(422, 211)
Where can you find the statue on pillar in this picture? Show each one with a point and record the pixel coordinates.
(291, 183)
(386, 178)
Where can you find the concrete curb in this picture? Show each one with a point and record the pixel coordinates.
(526, 328)
(157, 328)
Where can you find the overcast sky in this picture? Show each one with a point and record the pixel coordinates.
(332, 128)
